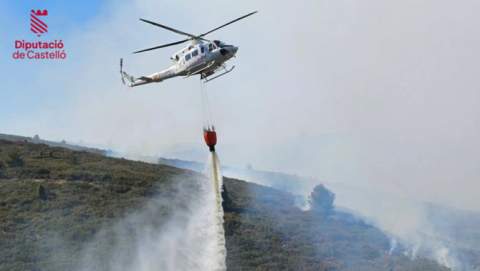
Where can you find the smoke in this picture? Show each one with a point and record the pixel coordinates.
(384, 96)
(416, 229)
(373, 95)
(376, 104)
(405, 221)
(393, 246)
(172, 233)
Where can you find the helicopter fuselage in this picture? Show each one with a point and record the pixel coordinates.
(202, 57)
(199, 58)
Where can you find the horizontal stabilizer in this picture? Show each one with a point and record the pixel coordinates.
(146, 79)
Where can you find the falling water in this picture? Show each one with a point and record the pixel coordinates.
(215, 176)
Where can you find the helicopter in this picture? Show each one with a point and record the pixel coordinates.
(201, 57)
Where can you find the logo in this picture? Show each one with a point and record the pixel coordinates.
(37, 25)
(39, 49)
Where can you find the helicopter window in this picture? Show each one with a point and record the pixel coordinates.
(202, 49)
(187, 57)
(210, 47)
(195, 53)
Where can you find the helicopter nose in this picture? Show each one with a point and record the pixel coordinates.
(229, 51)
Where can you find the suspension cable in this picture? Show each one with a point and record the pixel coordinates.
(206, 110)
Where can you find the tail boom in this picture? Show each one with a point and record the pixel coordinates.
(133, 81)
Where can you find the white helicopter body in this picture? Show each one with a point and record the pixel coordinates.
(202, 57)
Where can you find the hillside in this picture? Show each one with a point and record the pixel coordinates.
(37, 140)
(278, 180)
(54, 202)
(294, 184)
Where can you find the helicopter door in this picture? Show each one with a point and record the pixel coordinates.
(195, 56)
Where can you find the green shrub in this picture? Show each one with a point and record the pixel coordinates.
(42, 192)
(321, 199)
(15, 159)
(2, 169)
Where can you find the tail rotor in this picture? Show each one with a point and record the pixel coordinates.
(121, 70)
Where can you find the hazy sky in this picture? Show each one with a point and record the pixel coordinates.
(370, 93)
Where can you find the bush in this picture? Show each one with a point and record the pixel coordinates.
(74, 160)
(2, 169)
(321, 199)
(42, 192)
(15, 159)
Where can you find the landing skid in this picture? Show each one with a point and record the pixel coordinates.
(206, 79)
(201, 70)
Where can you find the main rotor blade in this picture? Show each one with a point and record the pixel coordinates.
(231, 22)
(162, 46)
(169, 28)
